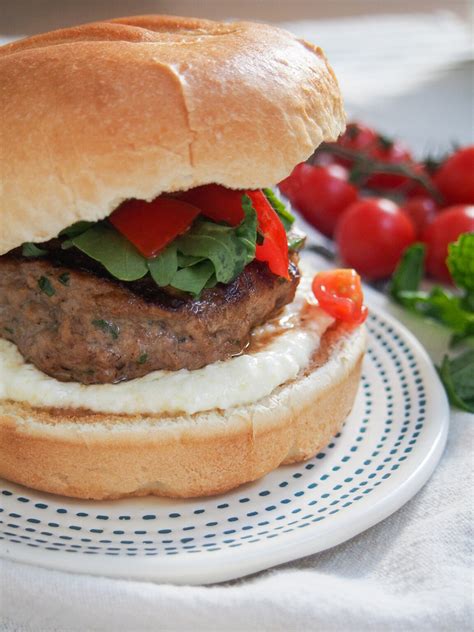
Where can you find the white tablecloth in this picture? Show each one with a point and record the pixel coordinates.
(414, 570)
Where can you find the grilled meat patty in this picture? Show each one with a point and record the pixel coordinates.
(82, 325)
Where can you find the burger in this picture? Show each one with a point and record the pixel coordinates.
(156, 333)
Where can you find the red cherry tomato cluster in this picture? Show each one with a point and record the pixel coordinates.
(370, 195)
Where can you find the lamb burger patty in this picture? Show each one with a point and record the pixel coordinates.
(76, 325)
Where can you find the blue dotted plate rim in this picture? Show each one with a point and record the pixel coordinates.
(397, 486)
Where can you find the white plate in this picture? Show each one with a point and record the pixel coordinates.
(388, 448)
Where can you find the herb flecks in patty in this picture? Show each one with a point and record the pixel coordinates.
(106, 327)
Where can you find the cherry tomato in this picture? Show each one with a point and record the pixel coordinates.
(274, 249)
(372, 235)
(391, 153)
(150, 226)
(447, 227)
(339, 293)
(455, 177)
(216, 202)
(357, 137)
(422, 210)
(321, 194)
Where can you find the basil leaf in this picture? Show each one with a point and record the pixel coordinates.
(409, 272)
(194, 278)
(29, 249)
(457, 376)
(118, 256)
(163, 267)
(287, 219)
(76, 229)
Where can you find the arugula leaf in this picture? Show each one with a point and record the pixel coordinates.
(76, 229)
(287, 219)
(107, 246)
(188, 260)
(218, 243)
(29, 249)
(296, 239)
(457, 376)
(409, 272)
(194, 278)
(163, 267)
(460, 262)
(247, 229)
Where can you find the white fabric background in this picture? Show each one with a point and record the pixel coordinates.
(414, 570)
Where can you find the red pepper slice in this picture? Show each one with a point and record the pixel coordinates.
(151, 226)
(274, 249)
(339, 293)
(216, 202)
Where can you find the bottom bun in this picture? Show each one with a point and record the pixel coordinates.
(76, 452)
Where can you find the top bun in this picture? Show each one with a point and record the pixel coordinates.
(134, 107)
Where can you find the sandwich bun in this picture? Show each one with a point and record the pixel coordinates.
(96, 455)
(133, 107)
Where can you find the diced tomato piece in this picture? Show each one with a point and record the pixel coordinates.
(150, 226)
(274, 249)
(216, 202)
(339, 293)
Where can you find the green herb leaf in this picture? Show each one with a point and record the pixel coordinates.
(76, 229)
(246, 231)
(460, 262)
(287, 219)
(45, 286)
(164, 266)
(457, 376)
(142, 358)
(296, 239)
(221, 244)
(409, 272)
(107, 327)
(188, 260)
(29, 249)
(441, 305)
(107, 246)
(64, 278)
(194, 278)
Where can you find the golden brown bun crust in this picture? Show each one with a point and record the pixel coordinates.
(91, 455)
(130, 108)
